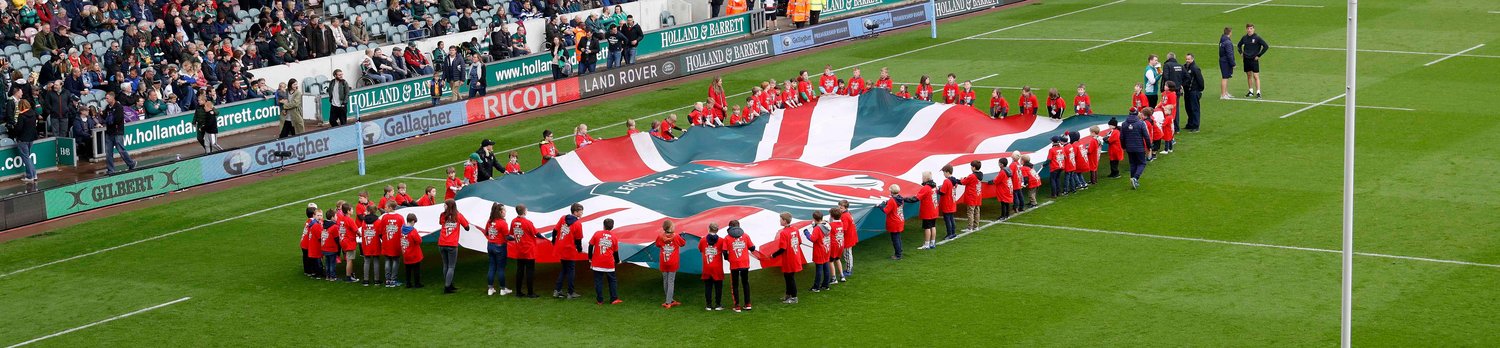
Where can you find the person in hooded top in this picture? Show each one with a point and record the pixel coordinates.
(737, 248)
(713, 269)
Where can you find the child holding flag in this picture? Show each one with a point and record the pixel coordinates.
(738, 247)
(604, 254)
(1081, 104)
(411, 255)
(522, 239)
(895, 220)
(999, 108)
(835, 230)
(667, 246)
(495, 232)
(567, 240)
(451, 221)
(821, 239)
(947, 201)
(927, 211)
(713, 269)
(789, 243)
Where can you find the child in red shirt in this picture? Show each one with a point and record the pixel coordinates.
(789, 244)
(999, 108)
(885, 79)
(971, 194)
(349, 229)
(471, 169)
(1004, 189)
(821, 239)
(429, 197)
(567, 240)
(581, 136)
(1081, 104)
(495, 232)
(947, 205)
(924, 89)
(966, 96)
(411, 253)
(667, 247)
(1033, 180)
(1055, 105)
(856, 84)
(789, 97)
(311, 252)
(713, 269)
(514, 165)
(804, 88)
(737, 247)
(668, 125)
(452, 184)
(828, 83)
(950, 90)
(521, 241)
(895, 219)
(369, 247)
(1055, 159)
(835, 229)
(548, 148)
(717, 101)
(388, 227)
(328, 242)
(734, 118)
(450, 222)
(604, 254)
(1028, 102)
(1138, 100)
(851, 237)
(927, 211)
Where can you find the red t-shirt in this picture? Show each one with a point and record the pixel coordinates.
(311, 230)
(524, 235)
(411, 245)
(1169, 103)
(737, 250)
(713, 260)
(512, 168)
(971, 190)
(1003, 186)
(790, 243)
(903, 95)
(1138, 101)
(667, 252)
(966, 97)
(390, 225)
(695, 117)
(370, 241)
(426, 200)
(1056, 106)
(1082, 106)
(603, 244)
(451, 187)
(1028, 105)
(735, 119)
(566, 239)
(851, 235)
(895, 221)
(328, 238)
(828, 84)
(947, 203)
(549, 150)
(927, 208)
(1055, 156)
(1034, 180)
(581, 140)
(951, 93)
(471, 173)
(717, 95)
(924, 92)
(821, 241)
(1116, 150)
(665, 130)
(884, 82)
(1015, 175)
(836, 234)
(857, 85)
(348, 233)
(804, 89)
(448, 234)
(1070, 158)
(1167, 132)
(787, 98)
(496, 230)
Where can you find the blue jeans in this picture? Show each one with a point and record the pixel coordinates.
(566, 275)
(1020, 199)
(476, 88)
(613, 60)
(111, 143)
(1055, 178)
(1137, 164)
(24, 148)
(426, 70)
(330, 263)
(599, 279)
(949, 224)
(496, 274)
(822, 276)
(628, 56)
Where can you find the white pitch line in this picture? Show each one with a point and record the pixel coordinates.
(421, 178)
(1335, 49)
(985, 77)
(1453, 55)
(1324, 105)
(1246, 6)
(982, 34)
(1114, 42)
(1494, 12)
(992, 223)
(1249, 244)
(1241, 4)
(1305, 108)
(122, 316)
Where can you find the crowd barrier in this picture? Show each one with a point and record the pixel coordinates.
(101, 192)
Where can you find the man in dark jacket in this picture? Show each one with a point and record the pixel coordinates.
(1193, 88)
(1134, 137)
(114, 134)
(1252, 47)
(26, 133)
(487, 162)
(633, 36)
(589, 51)
(338, 99)
(453, 72)
(1226, 63)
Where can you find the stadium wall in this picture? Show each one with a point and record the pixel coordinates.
(157, 180)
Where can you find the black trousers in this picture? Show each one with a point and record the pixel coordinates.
(1151, 99)
(414, 275)
(713, 8)
(812, 17)
(338, 115)
(286, 130)
(599, 281)
(526, 272)
(1137, 164)
(791, 283)
(1192, 104)
(713, 293)
(1114, 168)
(739, 286)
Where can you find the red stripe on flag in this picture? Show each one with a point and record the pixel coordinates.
(614, 160)
(953, 133)
(795, 125)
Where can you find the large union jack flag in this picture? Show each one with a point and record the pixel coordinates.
(796, 160)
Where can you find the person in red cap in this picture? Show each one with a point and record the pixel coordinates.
(604, 254)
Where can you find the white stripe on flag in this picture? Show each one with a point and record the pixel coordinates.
(993, 145)
(574, 168)
(920, 124)
(768, 138)
(830, 129)
(645, 147)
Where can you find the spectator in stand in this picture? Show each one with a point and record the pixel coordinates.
(416, 62)
(633, 35)
(616, 40)
(466, 23)
(358, 33)
(338, 92)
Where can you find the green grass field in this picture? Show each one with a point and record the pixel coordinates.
(1063, 275)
